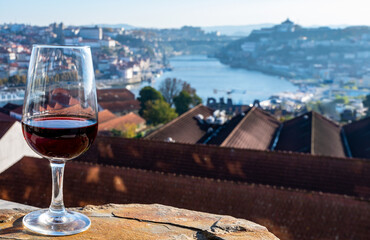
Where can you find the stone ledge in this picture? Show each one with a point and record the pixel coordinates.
(145, 222)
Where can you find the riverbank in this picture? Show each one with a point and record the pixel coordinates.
(211, 78)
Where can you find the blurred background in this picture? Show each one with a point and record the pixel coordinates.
(255, 109)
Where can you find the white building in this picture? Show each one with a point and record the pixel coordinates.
(126, 73)
(90, 43)
(72, 40)
(91, 33)
(108, 43)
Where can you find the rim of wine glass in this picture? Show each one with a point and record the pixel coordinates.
(58, 46)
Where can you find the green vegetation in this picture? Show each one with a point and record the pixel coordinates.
(156, 106)
(148, 94)
(185, 100)
(158, 111)
(116, 133)
(21, 80)
(323, 107)
(341, 99)
(16, 80)
(179, 93)
(170, 88)
(182, 102)
(129, 132)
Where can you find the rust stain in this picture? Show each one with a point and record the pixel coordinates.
(92, 175)
(105, 150)
(27, 192)
(235, 168)
(204, 161)
(119, 185)
(134, 152)
(4, 194)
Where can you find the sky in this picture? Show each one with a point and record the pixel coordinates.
(177, 13)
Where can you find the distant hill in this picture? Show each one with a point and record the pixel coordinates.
(125, 26)
(229, 30)
(243, 30)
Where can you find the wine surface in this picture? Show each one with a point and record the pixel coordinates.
(60, 137)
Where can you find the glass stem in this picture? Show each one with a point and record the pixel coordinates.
(56, 208)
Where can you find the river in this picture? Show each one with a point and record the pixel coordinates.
(210, 78)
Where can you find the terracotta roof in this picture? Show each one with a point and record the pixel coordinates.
(105, 115)
(256, 130)
(185, 128)
(289, 214)
(121, 106)
(70, 110)
(311, 133)
(120, 123)
(326, 137)
(73, 101)
(358, 138)
(59, 98)
(109, 95)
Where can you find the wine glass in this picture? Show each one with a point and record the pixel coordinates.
(59, 123)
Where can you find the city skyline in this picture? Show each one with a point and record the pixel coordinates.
(169, 14)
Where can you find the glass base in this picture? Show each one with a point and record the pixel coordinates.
(46, 223)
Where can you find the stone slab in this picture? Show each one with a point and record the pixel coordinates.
(141, 221)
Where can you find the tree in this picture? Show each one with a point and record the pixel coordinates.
(147, 94)
(186, 99)
(195, 99)
(158, 111)
(187, 88)
(182, 102)
(170, 88)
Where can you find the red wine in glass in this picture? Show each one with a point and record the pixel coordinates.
(60, 137)
(59, 122)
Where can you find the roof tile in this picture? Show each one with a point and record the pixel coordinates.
(105, 115)
(311, 133)
(255, 131)
(112, 95)
(185, 128)
(121, 106)
(358, 137)
(120, 123)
